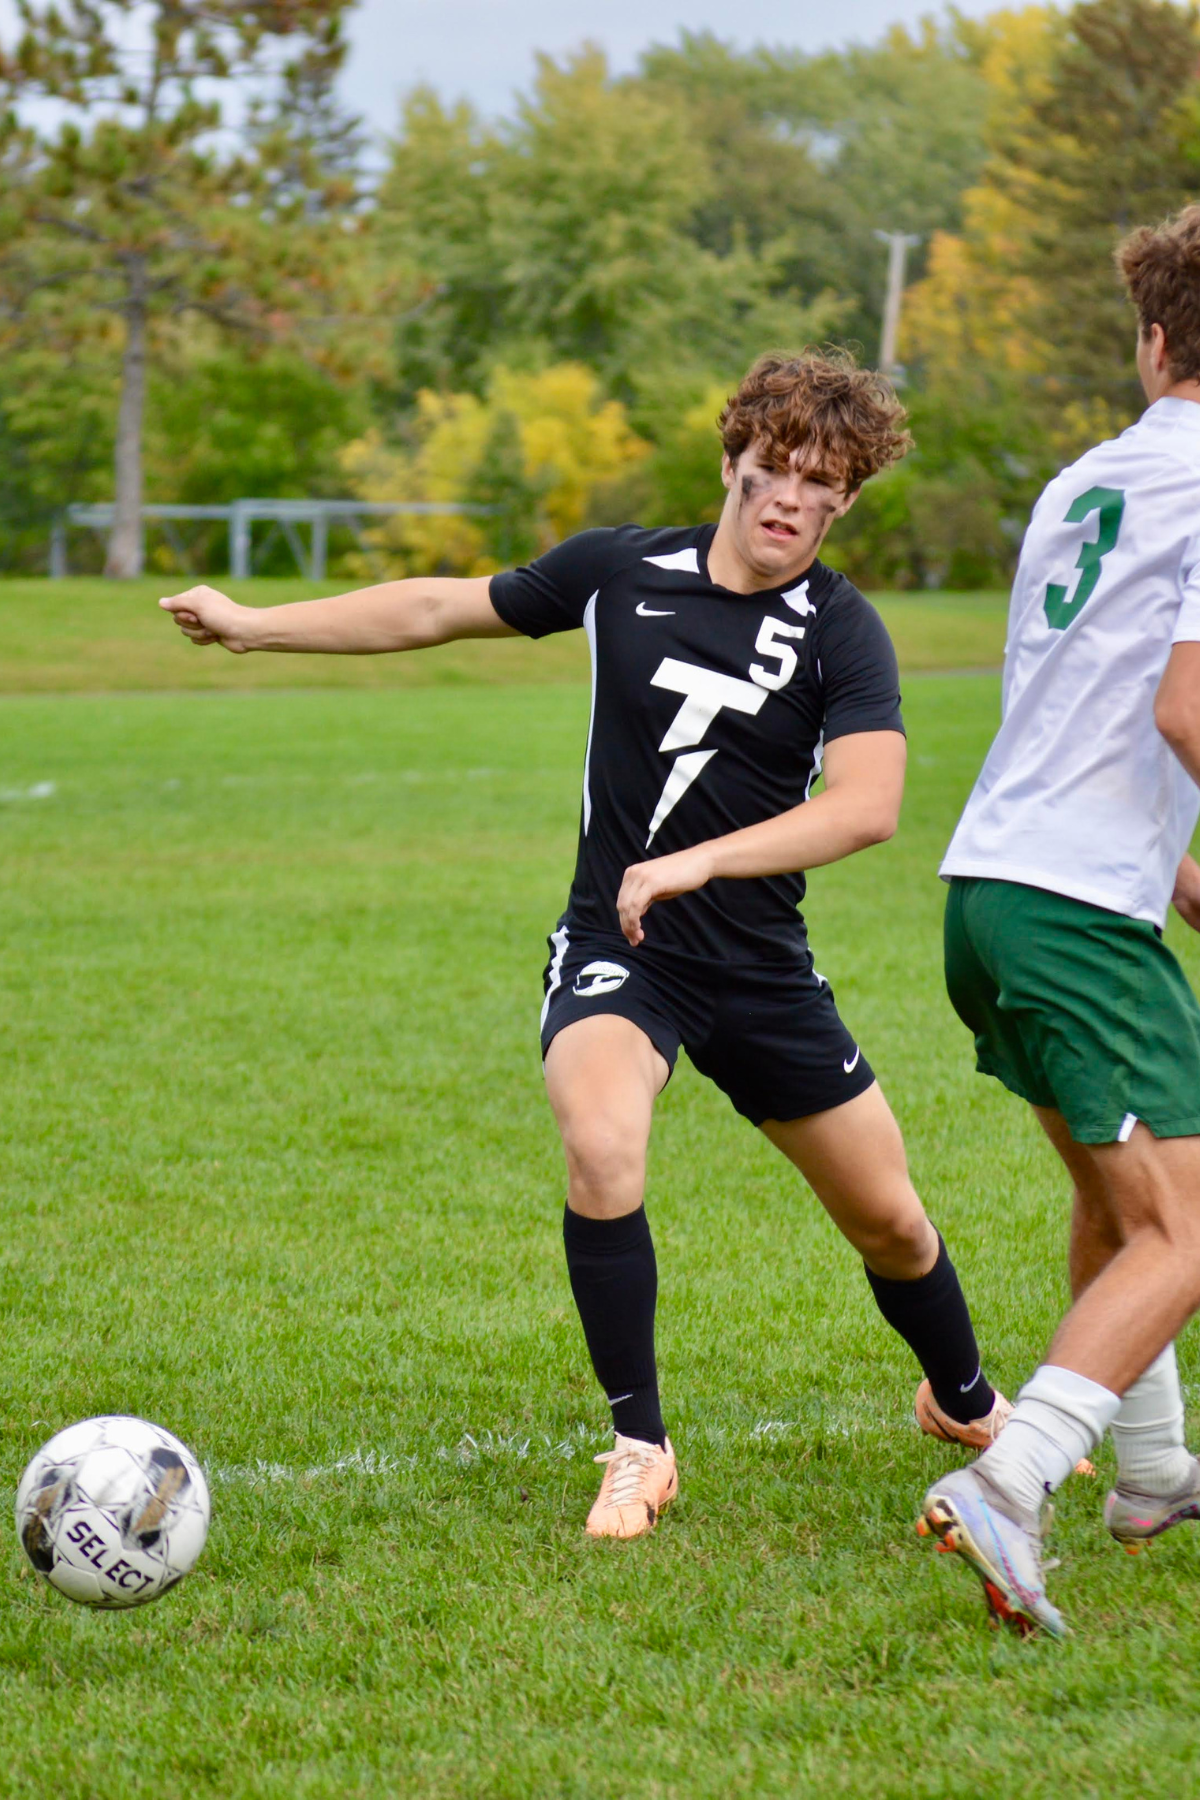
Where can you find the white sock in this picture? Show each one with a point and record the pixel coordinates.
(1059, 1417)
(1148, 1431)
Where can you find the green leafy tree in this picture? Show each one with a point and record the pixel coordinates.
(48, 447)
(435, 205)
(567, 233)
(1113, 146)
(502, 483)
(1018, 338)
(131, 216)
(810, 155)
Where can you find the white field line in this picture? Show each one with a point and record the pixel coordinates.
(45, 790)
(490, 1446)
(41, 790)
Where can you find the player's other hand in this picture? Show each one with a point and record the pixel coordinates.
(207, 616)
(1186, 897)
(661, 879)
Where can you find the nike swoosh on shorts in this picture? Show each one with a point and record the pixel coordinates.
(850, 1066)
(651, 612)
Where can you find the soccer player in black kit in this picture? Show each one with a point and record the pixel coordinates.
(730, 668)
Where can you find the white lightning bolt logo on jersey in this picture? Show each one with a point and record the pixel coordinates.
(704, 692)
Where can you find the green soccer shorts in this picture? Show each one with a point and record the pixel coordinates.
(1076, 1008)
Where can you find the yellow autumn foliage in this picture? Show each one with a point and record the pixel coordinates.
(565, 440)
(972, 306)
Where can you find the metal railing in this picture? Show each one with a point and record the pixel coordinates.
(283, 516)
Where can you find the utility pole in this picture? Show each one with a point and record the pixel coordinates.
(899, 244)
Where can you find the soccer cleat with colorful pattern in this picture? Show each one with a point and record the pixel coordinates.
(639, 1481)
(972, 1519)
(1134, 1518)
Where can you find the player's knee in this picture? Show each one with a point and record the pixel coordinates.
(1170, 1221)
(900, 1248)
(603, 1164)
(1179, 1225)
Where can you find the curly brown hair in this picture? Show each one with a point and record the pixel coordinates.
(1161, 266)
(818, 401)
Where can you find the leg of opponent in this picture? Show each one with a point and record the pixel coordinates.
(853, 1158)
(1096, 1234)
(1153, 1464)
(1136, 1275)
(602, 1076)
(1049, 990)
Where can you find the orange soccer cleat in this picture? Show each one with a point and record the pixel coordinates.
(639, 1481)
(976, 1435)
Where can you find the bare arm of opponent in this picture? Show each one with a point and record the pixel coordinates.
(864, 784)
(395, 615)
(1177, 715)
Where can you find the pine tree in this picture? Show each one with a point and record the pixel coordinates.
(133, 214)
(1111, 152)
(501, 482)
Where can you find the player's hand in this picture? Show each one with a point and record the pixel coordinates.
(207, 616)
(1186, 898)
(661, 879)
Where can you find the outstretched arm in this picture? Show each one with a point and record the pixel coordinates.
(864, 785)
(395, 615)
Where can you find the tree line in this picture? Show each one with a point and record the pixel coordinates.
(210, 289)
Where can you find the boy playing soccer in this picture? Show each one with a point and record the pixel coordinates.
(729, 669)
(1070, 850)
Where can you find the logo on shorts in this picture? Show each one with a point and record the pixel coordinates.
(605, 977)
(851, 1062)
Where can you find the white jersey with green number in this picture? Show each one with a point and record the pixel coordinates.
(1080, 793)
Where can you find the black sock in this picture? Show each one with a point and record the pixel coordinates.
(931, 1316)
(614, 1279)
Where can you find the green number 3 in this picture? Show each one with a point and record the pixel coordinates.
(1110, 504)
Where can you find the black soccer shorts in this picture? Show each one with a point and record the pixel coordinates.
(768, 1034)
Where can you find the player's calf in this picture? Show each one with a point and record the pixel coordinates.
(930, 1313)
(602, 1075)
(853, 1158)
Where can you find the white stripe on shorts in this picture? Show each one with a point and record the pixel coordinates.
(554, 980)
(1127, 1125)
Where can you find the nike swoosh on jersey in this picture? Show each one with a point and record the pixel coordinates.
(651, 612)
(852, 1064)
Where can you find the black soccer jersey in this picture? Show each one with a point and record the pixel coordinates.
(710, 711)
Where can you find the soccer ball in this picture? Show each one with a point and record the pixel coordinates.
(113, 1511)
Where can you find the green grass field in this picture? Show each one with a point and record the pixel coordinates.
(280, 1175)
(88, 636)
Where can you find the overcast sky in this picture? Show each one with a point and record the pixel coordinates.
(485, 48)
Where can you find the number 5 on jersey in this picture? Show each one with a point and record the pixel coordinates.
(1110, 504)
(771, 641)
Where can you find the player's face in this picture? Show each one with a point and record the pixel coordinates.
(778, 519)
